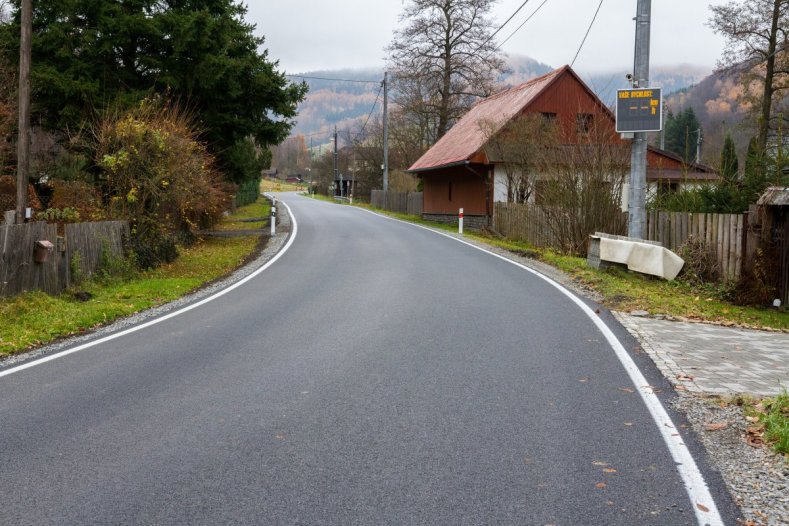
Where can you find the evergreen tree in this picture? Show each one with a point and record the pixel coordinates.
(729, 162)
(94, 56)
(680, 132)
(755, 174)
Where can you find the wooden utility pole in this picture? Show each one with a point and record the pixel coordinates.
(23, 141)
(386, 131)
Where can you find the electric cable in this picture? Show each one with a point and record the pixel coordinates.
(332, 80)
(587, 33)
(517, 29)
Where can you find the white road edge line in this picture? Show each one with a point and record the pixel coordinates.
(55, 356)
(700, 497)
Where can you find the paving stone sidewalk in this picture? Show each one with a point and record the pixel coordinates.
(712, 359)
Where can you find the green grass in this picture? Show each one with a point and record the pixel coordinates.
(35, 318)
(267, 185)
(775, 420)
(262, 208)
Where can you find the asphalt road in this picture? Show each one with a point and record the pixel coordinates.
(376, 374)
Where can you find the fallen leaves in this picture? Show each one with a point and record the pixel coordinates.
(754, 436)
(626, 389)
(600, 485)
(702, 507)
(685, 377)
(716, 426)
(609, 470)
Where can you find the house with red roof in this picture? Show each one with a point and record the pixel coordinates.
(458, 173)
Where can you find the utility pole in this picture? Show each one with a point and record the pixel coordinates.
(23, 141)
(336, 173)
(698, 146)
(386, 131)
(636, 209)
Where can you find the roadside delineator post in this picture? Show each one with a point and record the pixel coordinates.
(273, 216)
(460, 222)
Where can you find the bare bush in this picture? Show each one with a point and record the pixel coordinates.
(701, 262)
(581, 185)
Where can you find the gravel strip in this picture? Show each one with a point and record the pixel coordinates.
(757, 478)
(272, 247)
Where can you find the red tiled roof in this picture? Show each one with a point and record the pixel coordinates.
(467, 137)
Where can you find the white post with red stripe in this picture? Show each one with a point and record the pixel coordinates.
(460, 222)
(273, 216)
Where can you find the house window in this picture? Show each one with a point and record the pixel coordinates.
(667, 187)
(583, 122)
(548, 117)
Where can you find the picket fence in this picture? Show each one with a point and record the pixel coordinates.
(724, 233)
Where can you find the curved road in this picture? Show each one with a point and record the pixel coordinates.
(377, 373)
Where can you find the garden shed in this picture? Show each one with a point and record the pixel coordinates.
(774, 210)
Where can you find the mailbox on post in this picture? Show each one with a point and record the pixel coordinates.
(42, 250)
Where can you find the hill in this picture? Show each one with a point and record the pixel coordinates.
(347, 104)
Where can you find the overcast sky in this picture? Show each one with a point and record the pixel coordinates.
(308, 35)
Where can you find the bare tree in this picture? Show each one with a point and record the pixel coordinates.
(757, 38)
(442, 59)
(581, 186)
(516, 149)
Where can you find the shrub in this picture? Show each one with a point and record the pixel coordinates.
(248, 192)
(701, 262)
(112, 266)
(756, 285)
(59, 215)
(152, 246)
(80, 196)
(8, 195)
(159, 177)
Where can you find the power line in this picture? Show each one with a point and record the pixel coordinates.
(371, 111)
(518, 28)
(502, 25)
(587, 33)
(332, 80)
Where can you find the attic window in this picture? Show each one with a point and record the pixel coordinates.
(583, 122)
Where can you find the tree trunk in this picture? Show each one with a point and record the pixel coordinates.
(443, 115)
(767, 96)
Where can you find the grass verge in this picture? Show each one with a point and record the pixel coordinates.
(267, 185)
(35, 318)
(775, 420)
(768, 419)
(261, 208)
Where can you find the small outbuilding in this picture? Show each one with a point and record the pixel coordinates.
(773, 207)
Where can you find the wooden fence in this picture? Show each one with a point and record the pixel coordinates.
(404, 202)
(19, 272)
(724, 233)
(521, 222)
